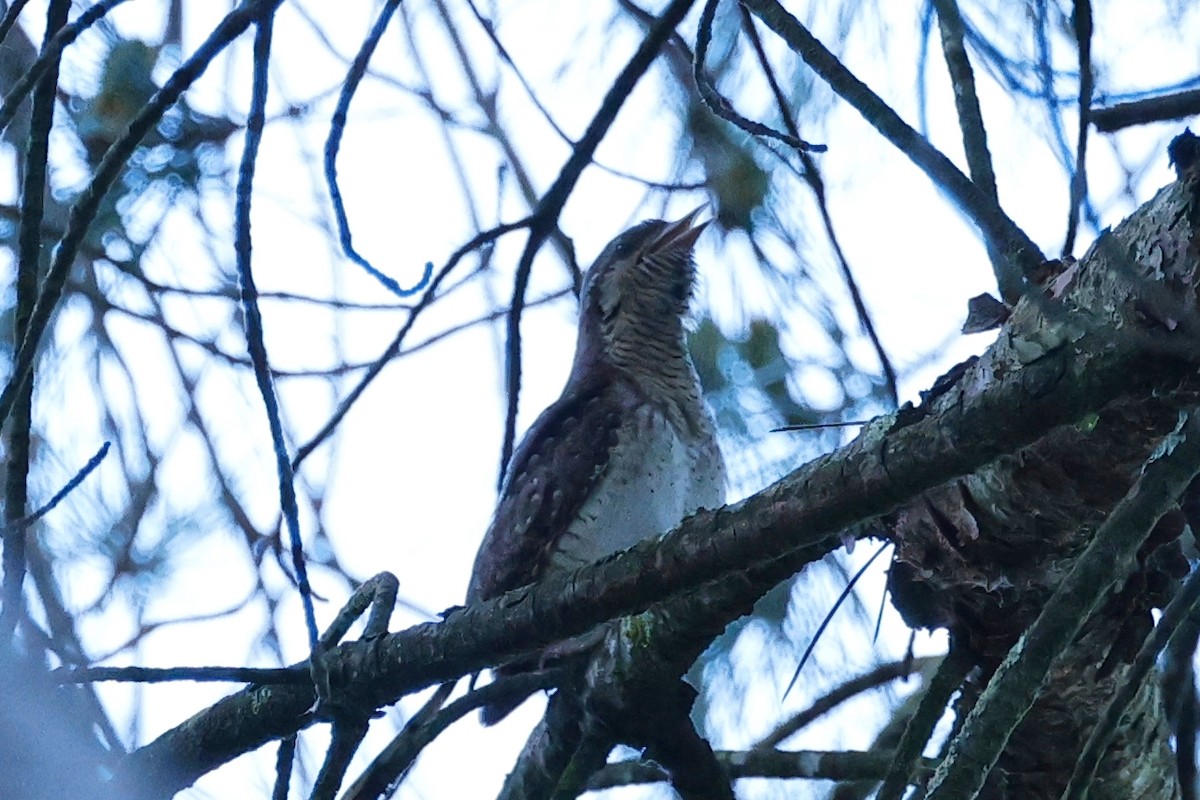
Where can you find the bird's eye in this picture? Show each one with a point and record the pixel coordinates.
(621, 249)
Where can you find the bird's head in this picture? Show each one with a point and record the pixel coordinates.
(636, 294)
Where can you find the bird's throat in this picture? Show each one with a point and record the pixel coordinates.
(659, 365)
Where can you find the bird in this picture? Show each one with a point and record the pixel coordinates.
(629, 449)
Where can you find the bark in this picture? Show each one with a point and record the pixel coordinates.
(981, 554)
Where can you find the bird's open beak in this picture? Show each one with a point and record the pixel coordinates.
(681, 234)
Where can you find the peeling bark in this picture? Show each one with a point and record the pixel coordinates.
(981, 554)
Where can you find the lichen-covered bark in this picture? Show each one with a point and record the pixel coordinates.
(980, 555)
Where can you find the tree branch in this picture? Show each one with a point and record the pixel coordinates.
(997, 228)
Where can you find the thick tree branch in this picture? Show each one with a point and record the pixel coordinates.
(1110, 119)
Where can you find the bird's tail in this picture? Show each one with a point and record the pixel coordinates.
(432, 705)
(500, 708)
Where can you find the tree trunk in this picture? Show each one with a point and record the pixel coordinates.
(981, 555)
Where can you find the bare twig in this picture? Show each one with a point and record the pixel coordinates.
(720, 106)
(33, 193)
(48, 58)
(24, 522)
(10, 17)
(284, 758)
(486, 103)
(884, 673)
(996, 226)
(945, 682)
(337, 126)
(812, 176)
(974, 133)
(261, 676)
(344, 742)
(391, 765)
(490, 29)
(1174, 621)
(254, 328)
(816, 765)
(393, 349)
(1082, 18)
(84, 211)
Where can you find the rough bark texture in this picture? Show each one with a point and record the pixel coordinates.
(982, 553)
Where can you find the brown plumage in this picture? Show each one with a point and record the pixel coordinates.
(629, 448)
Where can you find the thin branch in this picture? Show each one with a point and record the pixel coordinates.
(284, 758)
(974, 133)
(485, 102)
(394, 348)
(490, 29)
(258, 676)
(29, 260)
(783, 764)
(103, 304)
(945, 682)
(22, 523)
(545, 218)
(547, 750)
(966, 100)
(1179, 678)
(377, 594)
(997, 228)
(49, 56)
(719, 105)
(85, 208)
(243, 248)
(344, 742)
(337, 126)
(1015, 684)
(812, 176)
(883, 674)
(589, 758)
(1082, 18)
(392, 764)
(10, 17)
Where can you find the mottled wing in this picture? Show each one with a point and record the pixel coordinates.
(554, 470)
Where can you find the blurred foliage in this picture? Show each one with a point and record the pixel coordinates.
(186, 148)
(733, 176)
(752, 361)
